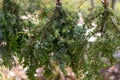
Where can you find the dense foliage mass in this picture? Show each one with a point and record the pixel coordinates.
(46, 37)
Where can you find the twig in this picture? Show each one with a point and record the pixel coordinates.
(103, 27)
(82, 2)
(115, 26)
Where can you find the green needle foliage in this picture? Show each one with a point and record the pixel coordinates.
(10, 26)
(59, 40)
(108, 25)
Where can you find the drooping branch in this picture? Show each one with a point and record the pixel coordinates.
(58, 10)
(105, 15)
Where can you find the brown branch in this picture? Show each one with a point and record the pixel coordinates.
(81, 3)
(103, 27)
(105, 3)
(115, 26)
(58, 3)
